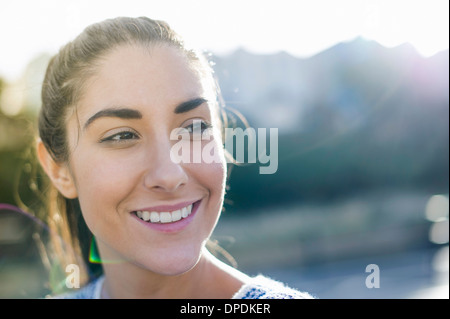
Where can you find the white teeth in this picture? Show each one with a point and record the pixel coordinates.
(165, 217)
(176, 215)
(184, 212)
(154, 217)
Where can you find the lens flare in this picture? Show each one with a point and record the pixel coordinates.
(94, 255)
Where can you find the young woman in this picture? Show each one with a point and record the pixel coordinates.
(112, 99)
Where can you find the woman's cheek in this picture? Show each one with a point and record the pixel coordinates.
(215, 169)
(101, 183)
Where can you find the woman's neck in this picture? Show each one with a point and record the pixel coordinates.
(209, 278)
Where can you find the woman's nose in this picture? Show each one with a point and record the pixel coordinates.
(162, 173)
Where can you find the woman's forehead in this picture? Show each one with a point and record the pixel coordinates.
(132, 75)
(131, 70)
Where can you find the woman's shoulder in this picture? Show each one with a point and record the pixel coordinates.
(90, 291)
(259, 287)
(262, 287)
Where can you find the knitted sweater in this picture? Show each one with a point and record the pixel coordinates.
(259, 287)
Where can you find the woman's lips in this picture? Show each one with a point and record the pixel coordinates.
(165, 216)
(168, 221)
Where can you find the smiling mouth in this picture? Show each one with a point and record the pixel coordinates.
(165, 217)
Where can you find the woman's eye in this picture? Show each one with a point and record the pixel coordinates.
(120, 137)
(198, 126)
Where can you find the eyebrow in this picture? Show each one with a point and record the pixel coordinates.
(127, 113)
(123, 113)
(189, 105)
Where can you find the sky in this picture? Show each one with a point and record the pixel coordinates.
(299, 27)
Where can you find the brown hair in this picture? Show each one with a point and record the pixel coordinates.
(63, 86)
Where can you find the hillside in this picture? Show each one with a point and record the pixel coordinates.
(355, 117)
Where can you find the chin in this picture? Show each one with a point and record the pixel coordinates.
(172, 264)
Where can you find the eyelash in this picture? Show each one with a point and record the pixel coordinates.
(115, 138)
(204, 126)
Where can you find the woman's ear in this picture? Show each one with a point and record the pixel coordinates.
(58, 173)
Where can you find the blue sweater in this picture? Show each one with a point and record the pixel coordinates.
(260, 287)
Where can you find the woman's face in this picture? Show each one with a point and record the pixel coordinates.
(119, 139)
